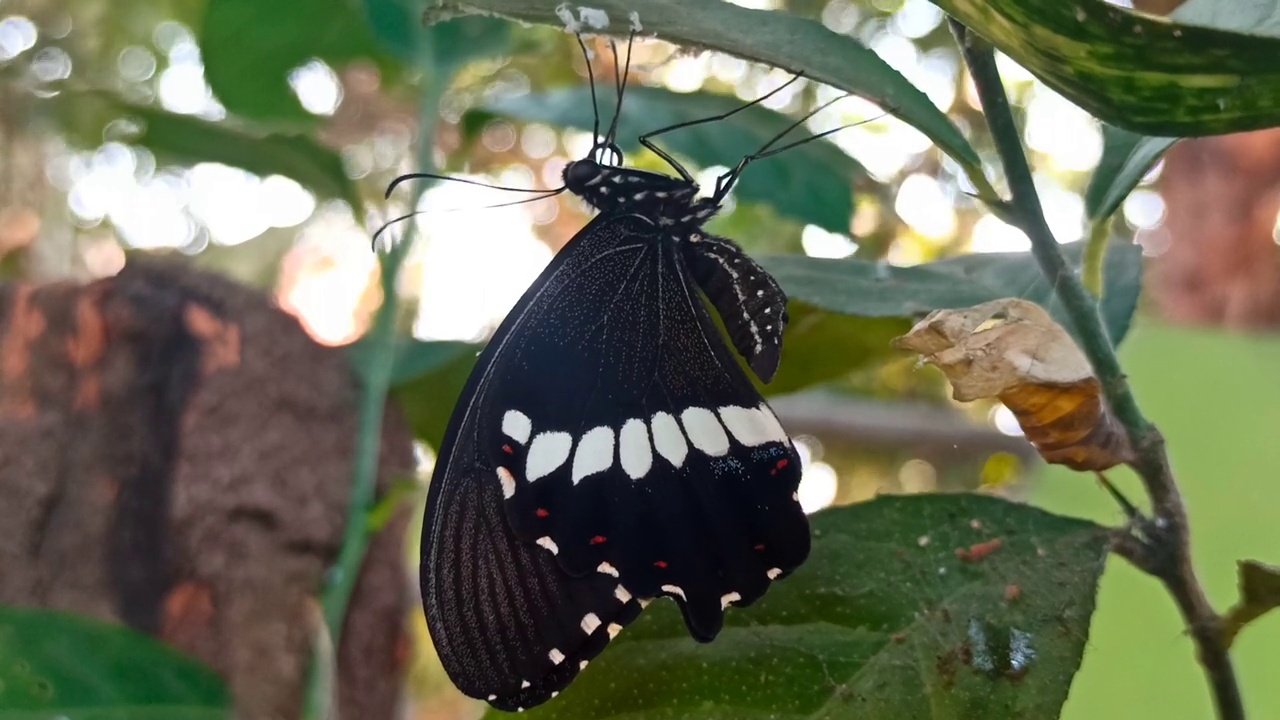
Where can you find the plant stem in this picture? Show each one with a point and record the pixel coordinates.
(1168, 533)
(1095, 255)
(376, 377)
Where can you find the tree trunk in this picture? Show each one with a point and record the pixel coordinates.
(1219, 261)
(176, 455)
(1222, 263)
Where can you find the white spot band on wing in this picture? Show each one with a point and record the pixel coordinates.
(517, 426)
(594, 453)
(668, 439)
(776, 432)
(705, 431)
(548, 451)
(633, 449)
(749, 426)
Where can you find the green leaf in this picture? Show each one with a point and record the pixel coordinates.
(414, 358)
(869, 289)
(775, 38)
(185, 139)
(1140, 72)
(821, 346)
(884, 622)
(812, 183)
(403, 491)
(57, 664)
(426, 380)
(1126, 158)
(250, 46)
(458, 42)
(397, 24)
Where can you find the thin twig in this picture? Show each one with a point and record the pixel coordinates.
(341, 582)
(1128, 546)
(1130, 510)
(1167, 550)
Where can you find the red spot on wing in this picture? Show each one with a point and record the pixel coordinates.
(507, 449)
(542, 512)
(597, 540)
(661, 564)
(760, 547)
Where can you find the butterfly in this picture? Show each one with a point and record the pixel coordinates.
(609, 449)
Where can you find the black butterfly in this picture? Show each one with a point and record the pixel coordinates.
(609, 449)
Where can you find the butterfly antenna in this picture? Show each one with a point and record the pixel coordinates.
(432, 176)
(591, 82)
(725, 182)
(620, 77)
(394, 221)
(647, 139)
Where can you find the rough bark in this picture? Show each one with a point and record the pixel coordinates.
(175, 454)
(1222, 263)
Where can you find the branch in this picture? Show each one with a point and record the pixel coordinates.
(342, 577)
(1167, 553)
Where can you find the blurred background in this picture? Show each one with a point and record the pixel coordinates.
(258, 138)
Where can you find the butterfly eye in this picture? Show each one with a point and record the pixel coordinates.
(580, 172)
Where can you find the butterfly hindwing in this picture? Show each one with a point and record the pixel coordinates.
(748, 299)
(610, 450)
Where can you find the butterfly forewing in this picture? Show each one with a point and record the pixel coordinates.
(610, 450)
(499, 610)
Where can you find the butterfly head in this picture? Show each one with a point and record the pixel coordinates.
(581, 175)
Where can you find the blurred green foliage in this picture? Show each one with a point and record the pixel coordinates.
(60, 665)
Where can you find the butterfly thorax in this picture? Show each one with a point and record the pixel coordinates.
(670, 201)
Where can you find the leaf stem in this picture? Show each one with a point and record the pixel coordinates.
(1095, 254)
(1168, 555)
(376, 377)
